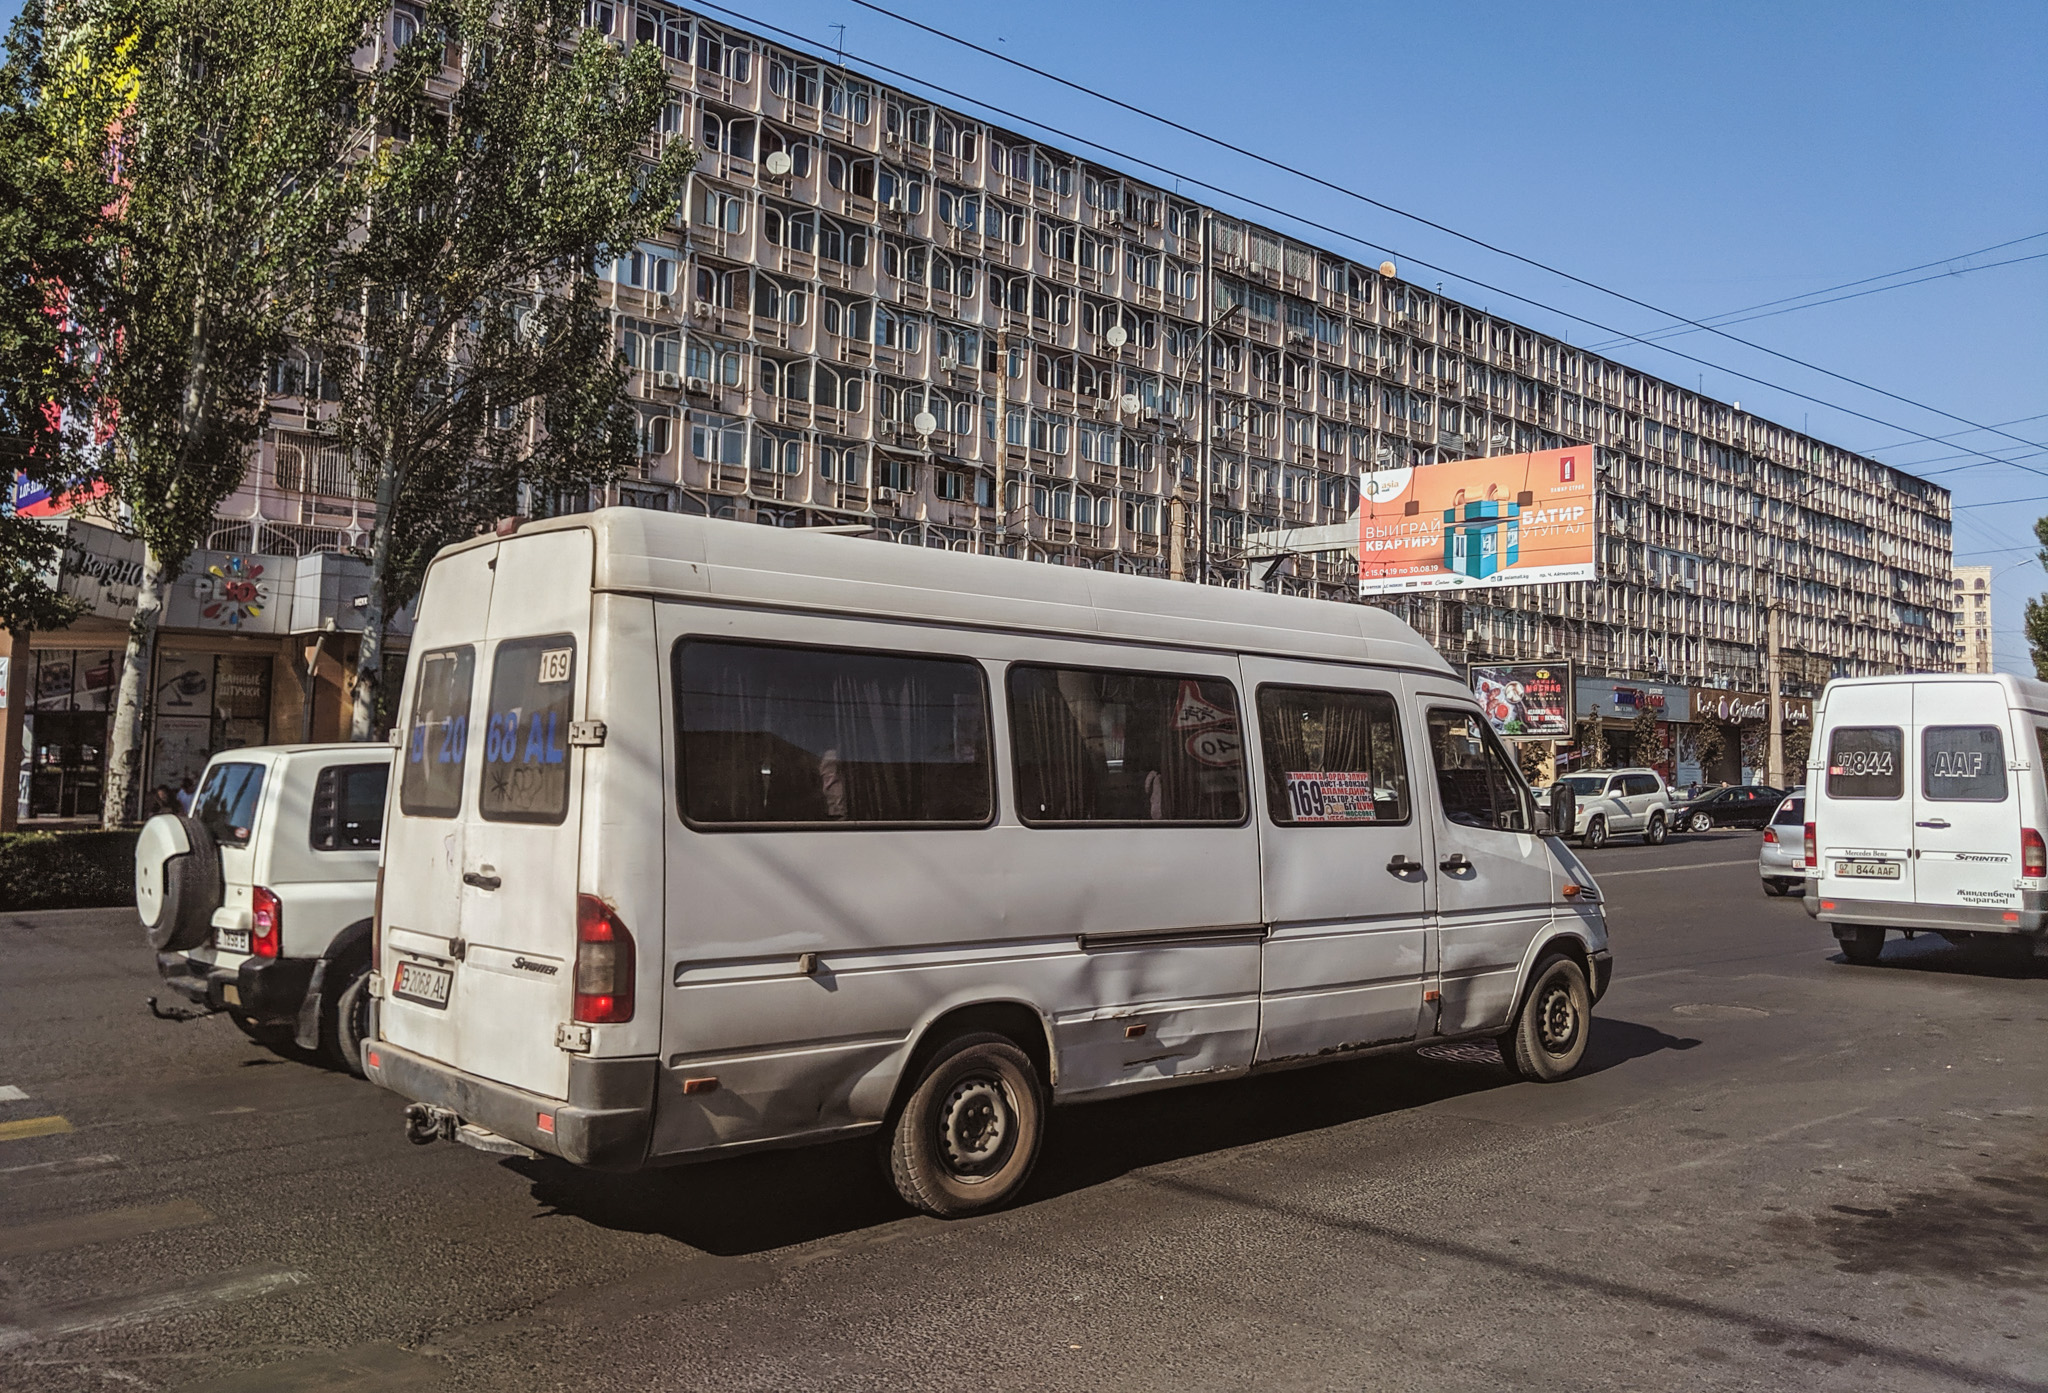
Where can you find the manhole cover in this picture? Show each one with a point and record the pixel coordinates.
(1469, 1052)
(1713, 1010)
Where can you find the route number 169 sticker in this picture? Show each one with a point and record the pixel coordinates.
(1335, 797)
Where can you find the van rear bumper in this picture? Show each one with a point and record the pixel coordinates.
(605, 1123)
(2030, 918)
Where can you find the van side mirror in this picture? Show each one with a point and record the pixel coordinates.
(1562, 816)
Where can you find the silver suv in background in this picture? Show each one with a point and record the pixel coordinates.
(1617, 802)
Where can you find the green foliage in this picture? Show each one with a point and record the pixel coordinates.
(1647, 741)
(482, 362)
(1797, 742)
(1591, 742)
(2037, 611)
(66, 870)
(1709, 740)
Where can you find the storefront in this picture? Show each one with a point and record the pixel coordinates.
(1617, 704)
(252, 650)
(1738, 748)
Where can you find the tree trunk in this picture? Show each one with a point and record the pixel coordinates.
(370, 653)
(124, 747)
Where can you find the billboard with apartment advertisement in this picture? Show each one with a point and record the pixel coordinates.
(1476, 523)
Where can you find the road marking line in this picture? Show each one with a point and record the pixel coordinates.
(69, 1167)
(9, 1093)
(108, 1225)
(163, 1302)
(33, 1127)
(1666, 870)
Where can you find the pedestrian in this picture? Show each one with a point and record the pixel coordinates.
(185, 790)
(161, 801)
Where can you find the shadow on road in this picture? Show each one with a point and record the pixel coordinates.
(2008, 956)
(774, 1199)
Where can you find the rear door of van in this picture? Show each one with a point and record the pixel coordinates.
(1862, 808)
(1966, 821)
(481, 874)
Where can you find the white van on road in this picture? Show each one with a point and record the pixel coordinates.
(1924, 809)
(709, 837)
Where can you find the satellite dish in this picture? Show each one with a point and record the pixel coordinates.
(1387, 269)
(925, 422)
(779, 163)
(1131, 403)
(1116, 337)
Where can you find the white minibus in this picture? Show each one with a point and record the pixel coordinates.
(1924, 810)
(709, 837)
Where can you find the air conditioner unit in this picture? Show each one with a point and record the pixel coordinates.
(885, 495)
(663, 301)
(668, 380)
(702, 309)
(698, 386)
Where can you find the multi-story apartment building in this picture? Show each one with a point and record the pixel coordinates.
(1971, 619)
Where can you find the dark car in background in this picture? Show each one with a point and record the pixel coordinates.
(1740, 805)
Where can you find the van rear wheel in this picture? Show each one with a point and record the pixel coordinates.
(1548, 1039)
(1863, 947)
(345, 1022)
(969, 1136)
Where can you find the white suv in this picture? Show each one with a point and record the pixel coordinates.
(1612, 801)
(259, 903)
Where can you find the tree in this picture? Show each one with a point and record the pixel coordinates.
(52, 190)
(1797, 744)
(2037, 610)
(479, 355)
(1646, 738)
(1709, 741)
(1591, 740)
(232, 183)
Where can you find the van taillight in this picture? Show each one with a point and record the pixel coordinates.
(2033, 853)
(1812, 850)
(266, 918)
(604, 965)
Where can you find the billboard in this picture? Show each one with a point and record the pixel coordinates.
(1477, 523)
(1529, 701)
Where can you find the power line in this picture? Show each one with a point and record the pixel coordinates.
(1921, 440)
(1250, 202)
(1743, 317)
(1300, 173)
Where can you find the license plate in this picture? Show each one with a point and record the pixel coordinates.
(231, 940)
(428, 986)
(1868, 870)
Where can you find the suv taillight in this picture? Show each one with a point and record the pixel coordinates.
(1812, 850)
(604, 965)
(2033, 853)
(266, 920)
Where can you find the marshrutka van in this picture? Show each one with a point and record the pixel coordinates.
(1924, 809)
(709, 837)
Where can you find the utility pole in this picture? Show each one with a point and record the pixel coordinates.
(1002, 432)
(1776, 679)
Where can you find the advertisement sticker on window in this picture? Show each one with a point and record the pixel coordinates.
(1333, 797)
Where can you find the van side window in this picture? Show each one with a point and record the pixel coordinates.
(1963, 764)
(1478, 784)
(781, 736)
(526, 734)
(1867, 762)
(1125, 747)
(1332, 756)
(348, 807)
(437, 740)
(226, 802)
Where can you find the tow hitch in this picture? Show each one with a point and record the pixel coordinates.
(178, 1015)
(426, 1123)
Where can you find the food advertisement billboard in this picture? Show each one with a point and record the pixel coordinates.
(1478, 523)
(1528, 701)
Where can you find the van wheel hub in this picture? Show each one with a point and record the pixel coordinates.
(975, 1126)
(1558, 1022)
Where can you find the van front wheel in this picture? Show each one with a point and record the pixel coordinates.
(1548, 1038)
(969, 1136)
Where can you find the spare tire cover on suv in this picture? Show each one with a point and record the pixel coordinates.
(177, 881)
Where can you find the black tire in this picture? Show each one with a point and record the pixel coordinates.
(1596, 834)
(968, 1137)
(344, 1017)
(1702, 822)
(1548, 1038)
(191, 893)
(1654, 834)
(279, 1036)
(1774, 887)
(1864, 947)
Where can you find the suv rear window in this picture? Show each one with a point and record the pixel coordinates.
(348, 807)
(1791, 813)
(1640, 785)
(437, 743)
(1866, 762)
(226, 802)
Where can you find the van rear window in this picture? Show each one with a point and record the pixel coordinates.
(437, 740)
(526, 736)
(1867, 762)
(783, 736)
(1963, 764)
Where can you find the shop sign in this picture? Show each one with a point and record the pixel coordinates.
(1745, 708)
(100, 568)
(1619, 700)
(1525, 700)
(237, 592)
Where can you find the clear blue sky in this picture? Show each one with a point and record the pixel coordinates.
(1702, 158)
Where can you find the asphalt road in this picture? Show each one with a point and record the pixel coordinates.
(1776, 1170)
